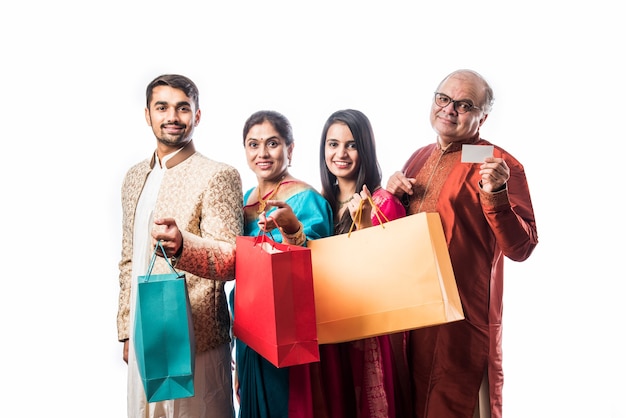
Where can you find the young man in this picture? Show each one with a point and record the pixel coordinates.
(193, 205)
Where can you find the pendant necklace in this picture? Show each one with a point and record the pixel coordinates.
(263, 202)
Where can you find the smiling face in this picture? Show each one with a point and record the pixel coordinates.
(267, 153)
(172, 117)
(450, 125)
(340, 152)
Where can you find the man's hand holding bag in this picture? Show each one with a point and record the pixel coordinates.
(163, 338)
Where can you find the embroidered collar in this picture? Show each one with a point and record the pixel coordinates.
(179, 156)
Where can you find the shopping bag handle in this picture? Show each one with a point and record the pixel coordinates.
(263, 232)
(359, 213)
(153, 260)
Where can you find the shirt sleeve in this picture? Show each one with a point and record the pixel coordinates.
(389, 206)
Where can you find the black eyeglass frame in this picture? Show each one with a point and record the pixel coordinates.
(455, 103)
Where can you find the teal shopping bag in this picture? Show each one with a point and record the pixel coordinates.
(163, 338)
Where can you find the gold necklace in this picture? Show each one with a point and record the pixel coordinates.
(346, 201)
(263, 202)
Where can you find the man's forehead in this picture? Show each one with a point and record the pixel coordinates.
(464, 85)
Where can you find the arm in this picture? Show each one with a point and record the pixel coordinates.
(312, 213)
(389, 205)
(131, 187)
(510, 214)
(315, 214)
(212, 254)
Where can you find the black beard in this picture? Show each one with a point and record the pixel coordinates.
(171, 140)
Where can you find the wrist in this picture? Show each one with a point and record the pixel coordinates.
(295, 229)
(174, 259)
(295, 238)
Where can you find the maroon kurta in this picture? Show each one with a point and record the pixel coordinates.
(448, 362)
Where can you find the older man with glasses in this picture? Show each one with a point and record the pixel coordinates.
(487, 214)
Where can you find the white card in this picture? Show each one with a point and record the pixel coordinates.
(475, 153)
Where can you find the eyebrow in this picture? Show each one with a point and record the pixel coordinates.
(261, 139)
(338, 140)
(161, 102)
(458, 100)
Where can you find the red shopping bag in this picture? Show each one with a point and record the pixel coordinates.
(274, 312)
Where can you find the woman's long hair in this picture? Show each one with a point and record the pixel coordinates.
(369, 172)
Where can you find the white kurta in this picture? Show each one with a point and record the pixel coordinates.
(142, 243)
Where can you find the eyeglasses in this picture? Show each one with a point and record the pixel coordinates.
(460, 106)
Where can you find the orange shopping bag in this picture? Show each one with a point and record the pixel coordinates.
(274, 310)
(387, 278)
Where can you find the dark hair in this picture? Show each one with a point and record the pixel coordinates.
(369, 172)
(175, 81)
(278, 121)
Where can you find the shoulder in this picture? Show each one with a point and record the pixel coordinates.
(212, 168)
(199, 159)
(140, 167)
(137, 174)
(302, 195)
(419, 155)
(425, 149)
(248, 192)
(300, 188)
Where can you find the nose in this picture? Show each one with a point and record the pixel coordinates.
(450, 107)
(172, 115)
(264, 150)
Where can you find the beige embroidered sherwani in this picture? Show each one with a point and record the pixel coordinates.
(205, 198)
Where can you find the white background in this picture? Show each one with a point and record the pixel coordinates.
(73, 96)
